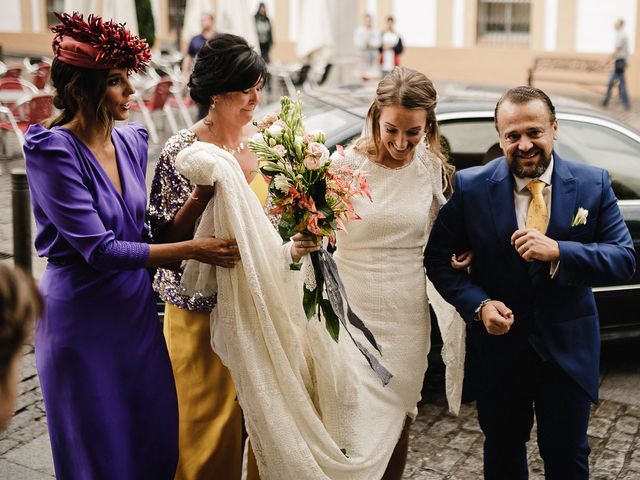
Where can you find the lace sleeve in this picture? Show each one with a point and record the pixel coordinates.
(351, 158)
(434, 167)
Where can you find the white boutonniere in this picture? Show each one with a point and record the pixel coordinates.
(580, 218)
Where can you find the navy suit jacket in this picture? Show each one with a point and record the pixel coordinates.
(557, 316)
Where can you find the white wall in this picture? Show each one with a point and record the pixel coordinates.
(36, 23)
(594, 24)
(11, 18)
(550, 25)
(457, 31)
(416, 22)
(294, 19)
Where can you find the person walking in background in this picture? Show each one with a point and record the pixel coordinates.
(619, 59)
(265, 32)
(20, 305)
(226, 81)
(103, 365)
(390, 48)
(367, 41)
(543, 231)
(208, 26)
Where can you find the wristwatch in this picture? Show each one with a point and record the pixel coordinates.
(478, 311)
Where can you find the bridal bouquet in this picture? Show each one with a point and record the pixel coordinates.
(310, 195)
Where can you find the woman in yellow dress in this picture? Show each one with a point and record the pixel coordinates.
(227, 80)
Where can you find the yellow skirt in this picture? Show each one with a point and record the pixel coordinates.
(210, 428)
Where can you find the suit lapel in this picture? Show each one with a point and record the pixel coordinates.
(503, 211)
(563, 200)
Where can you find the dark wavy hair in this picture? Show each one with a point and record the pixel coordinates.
(78, 87)
(20, 305)
(224, 64)
(525, 94)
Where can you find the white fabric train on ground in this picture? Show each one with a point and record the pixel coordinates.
(300, 391)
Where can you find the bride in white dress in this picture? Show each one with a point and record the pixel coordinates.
(313, 407)
(380, 259)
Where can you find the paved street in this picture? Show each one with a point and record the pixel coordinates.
(442, 446)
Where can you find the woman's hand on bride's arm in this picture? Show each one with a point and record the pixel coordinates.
(301, 244)
(216, 251)
(461, 261)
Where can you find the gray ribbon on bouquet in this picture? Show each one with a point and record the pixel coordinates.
(337, 296)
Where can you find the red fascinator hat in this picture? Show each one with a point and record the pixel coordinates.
(96, 44)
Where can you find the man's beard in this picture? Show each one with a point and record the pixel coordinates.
(540, 168)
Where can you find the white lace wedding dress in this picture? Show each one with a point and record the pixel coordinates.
(380, 261)
(313, 407)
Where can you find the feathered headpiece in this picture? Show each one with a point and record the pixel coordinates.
(98, 44)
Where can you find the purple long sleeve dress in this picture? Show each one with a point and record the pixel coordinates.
(102, 360)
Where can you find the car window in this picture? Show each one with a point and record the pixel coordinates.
(606, 148)
(468, 141)
(474, 142)
(469, 136)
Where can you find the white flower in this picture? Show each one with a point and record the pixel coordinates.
(580, 218)
(282, 183)
(275, 130)
(258, 138)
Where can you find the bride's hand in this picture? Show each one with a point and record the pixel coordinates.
(301, 244)
(462, 260)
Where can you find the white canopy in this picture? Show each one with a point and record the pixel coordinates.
(237, 17)
(121, 11)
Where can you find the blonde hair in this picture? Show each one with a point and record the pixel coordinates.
(413, 90)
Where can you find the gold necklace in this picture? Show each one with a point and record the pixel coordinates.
(209, 123)
(233, 151)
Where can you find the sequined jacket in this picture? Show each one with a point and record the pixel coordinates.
(169, 192)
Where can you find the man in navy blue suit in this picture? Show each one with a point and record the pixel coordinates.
(543, 230)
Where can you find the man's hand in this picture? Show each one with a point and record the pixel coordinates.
(461, 261)
(497, 318)
(532, 245)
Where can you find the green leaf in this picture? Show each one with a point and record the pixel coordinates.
(286, 227)
(332, 323)
(295, 266)
(310, 302)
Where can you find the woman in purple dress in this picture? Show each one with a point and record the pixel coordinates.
(103, 364)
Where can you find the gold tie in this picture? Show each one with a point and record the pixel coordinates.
(537, 214)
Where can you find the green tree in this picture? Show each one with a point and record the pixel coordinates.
(146, 25)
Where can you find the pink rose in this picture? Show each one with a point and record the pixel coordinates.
(319, 151)
(311, 163)
(280, 150)
(269, 118)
